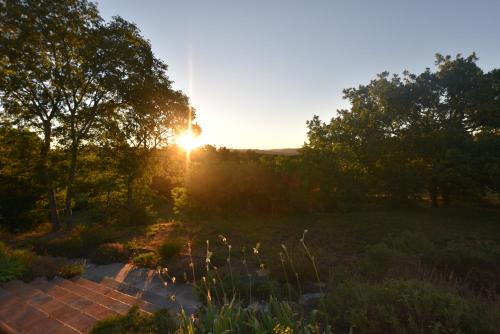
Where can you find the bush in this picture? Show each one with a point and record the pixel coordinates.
(170, 248)
(82, 242)
(380, 261)
(94, 236)
(136, 322)
(45, 266)
(109, 253)
(12, 264)
(49, 267)
(182, 204)
(406, 306)
(146, 260)
(70, 247)
(462, 255)
(70, 270)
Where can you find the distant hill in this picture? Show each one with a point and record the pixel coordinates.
(275, 151)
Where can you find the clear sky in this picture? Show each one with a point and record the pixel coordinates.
(257, 70)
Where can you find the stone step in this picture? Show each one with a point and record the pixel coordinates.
(173, 302)
(94, 296)
(115, 294)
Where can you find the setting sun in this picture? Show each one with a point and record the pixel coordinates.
(188, 141)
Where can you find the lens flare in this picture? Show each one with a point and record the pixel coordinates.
(188, 142)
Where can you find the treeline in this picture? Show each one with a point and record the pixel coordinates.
(78, 83)
(431, 137)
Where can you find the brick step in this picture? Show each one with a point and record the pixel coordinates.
(16, 316)
(154, 299)
(93, 296)
(115, 294)
(50, 306)
(82, 303)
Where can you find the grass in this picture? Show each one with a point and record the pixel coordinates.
(385, 272)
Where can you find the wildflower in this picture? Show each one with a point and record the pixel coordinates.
(282, 329)
(209, 255)
(256, 248)
(223, 238)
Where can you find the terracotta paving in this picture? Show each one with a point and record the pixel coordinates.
(60, 306)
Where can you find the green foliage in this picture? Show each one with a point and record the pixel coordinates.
(49, 267)
(232, 317)
(411, 135)
(18, 156)
(170, 248)
(470, 260)
(146, 260)
(71, 247)
(71, 270)
(136, 322)
(81, 242)
(407, 306)
(110, 253)
(181, 203)
(12, 264)
(23, 264)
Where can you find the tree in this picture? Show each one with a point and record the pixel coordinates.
(18, 161)
(35, 41)
(66, 72)
(150, 112)
(406, 134)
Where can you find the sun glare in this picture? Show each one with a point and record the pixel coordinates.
(188, 142)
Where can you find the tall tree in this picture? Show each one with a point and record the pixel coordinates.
(150, 113)
(404, 135)
(36, 39)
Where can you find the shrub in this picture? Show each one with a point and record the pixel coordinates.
(12, 265)
(406, 306)
(94, 236)
(182, 204)
(45, 266)
(411, 243)
(70, 270)
(170, 248)
(136, 322)
(70, 247)
(380, 261)
(462, 255)
(109, 253)
(50, 267)
(146, 260)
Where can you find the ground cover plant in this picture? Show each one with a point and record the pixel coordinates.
(363, 259)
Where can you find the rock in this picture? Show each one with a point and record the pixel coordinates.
(310, 299)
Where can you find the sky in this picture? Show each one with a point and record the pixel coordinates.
(257, 70)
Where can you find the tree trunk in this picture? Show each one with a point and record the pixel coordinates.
(69, 188)
(46, 178)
